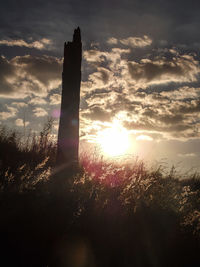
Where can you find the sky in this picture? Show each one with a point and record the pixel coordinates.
(140, 67)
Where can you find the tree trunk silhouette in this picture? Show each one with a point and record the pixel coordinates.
(68, 133)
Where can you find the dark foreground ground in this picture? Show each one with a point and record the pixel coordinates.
(105, 216)
(49, 230)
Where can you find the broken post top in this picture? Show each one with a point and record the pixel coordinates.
(77, 35)
(73, 52)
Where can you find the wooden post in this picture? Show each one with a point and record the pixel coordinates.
(68, 133)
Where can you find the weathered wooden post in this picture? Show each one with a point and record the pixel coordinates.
(68, 133)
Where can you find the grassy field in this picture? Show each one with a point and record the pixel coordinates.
(107, 214)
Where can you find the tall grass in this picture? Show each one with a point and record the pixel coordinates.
(126, 214)
(25, 161)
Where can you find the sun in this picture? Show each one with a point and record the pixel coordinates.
(113, 141)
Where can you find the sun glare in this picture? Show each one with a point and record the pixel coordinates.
(114, 141)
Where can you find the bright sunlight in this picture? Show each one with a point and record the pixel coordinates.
(114, 141)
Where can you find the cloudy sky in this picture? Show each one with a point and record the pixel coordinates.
(141, 66)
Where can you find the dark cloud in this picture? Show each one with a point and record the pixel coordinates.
(96, 92)
(7, 71)
(20, 76)
(165, 118)
(171, 119)
(174, 130)
(141, 95)
(184, 93)
(175, 21)
(122, 103)
(104, 75)
(45, 69)
(187, 107)
(179, 69)
(97, 114)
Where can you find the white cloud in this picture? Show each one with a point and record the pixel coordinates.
(20, 123)
(94, 56)
(112, 41)
(187, 155)
(131, 41)
(144, 138)
(136, 41)
(10, 113)
(100, 78)
(38, 101)
(19, 104)
(39, 112)
(43, 43)
(55, 99)
(171, 113)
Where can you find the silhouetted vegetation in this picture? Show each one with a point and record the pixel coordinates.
(109, 215)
